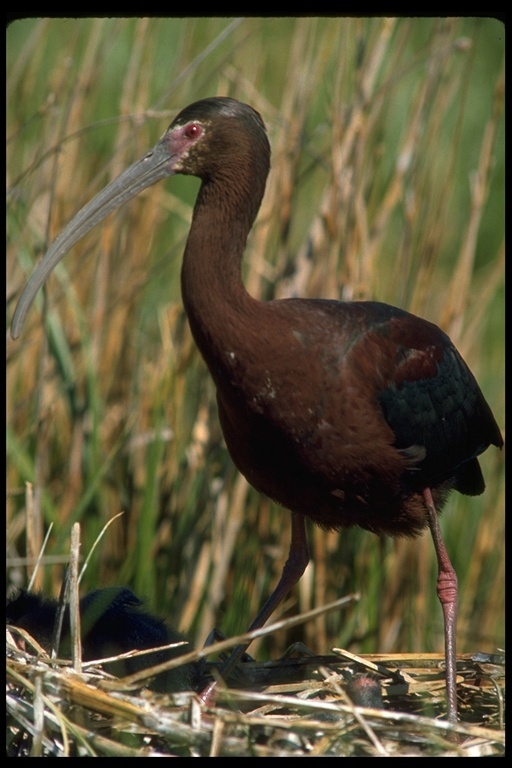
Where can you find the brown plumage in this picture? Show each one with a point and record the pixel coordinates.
(347, 413)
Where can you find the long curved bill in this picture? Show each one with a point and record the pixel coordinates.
(154, 166)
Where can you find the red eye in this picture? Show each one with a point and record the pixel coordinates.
(192, 130)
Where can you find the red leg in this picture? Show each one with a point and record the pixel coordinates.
(298, 558)
(447, 591)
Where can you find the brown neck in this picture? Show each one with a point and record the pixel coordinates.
(214, 296)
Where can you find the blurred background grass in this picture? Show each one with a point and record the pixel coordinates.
(387, 183)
